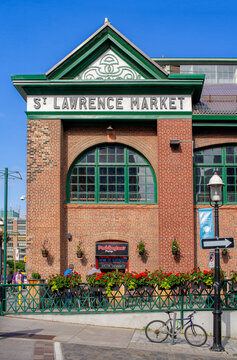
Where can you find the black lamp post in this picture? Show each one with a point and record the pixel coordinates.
(215, 191)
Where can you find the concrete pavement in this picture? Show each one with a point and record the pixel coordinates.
(46, 340)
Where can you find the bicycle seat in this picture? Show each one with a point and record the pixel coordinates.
(168, 311)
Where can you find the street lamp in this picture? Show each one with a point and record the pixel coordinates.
(216, 196)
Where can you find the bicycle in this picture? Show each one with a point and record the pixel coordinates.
(157, 330)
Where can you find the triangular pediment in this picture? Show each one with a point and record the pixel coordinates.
(109, 66)
(107, 55)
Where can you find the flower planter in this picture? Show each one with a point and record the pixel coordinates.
(141, 253)
(79, 256)
(45, 253)
(175, 252)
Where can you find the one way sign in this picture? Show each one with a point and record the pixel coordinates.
(221, 243)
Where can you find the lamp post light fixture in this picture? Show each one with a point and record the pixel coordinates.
(216, 197)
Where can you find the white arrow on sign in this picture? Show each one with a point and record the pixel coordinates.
(217, 243)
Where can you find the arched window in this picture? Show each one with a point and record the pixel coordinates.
(111, 174)
(223, 160)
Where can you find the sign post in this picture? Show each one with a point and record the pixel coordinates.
(217, 244)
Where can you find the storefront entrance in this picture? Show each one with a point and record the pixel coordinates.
(112, 256)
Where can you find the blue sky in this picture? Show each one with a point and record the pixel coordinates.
(36, 34)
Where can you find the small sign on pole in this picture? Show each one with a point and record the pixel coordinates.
(16, 254)
(211, 260)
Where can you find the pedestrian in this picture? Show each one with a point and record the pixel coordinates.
(69, 271)
(18, 277)
(95, 296)
(93, 270)
(9, 277)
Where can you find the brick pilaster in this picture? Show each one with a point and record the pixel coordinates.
(175, 193)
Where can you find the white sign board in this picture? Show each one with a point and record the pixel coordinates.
(119, 103)
(211, 260)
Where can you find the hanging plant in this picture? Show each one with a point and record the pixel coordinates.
(44, 250)
(141, 250)
(80, 252)
(175, 247)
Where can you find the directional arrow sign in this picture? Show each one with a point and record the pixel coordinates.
(222, 243)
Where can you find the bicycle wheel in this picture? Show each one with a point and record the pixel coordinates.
(195, 335)
(157, 331)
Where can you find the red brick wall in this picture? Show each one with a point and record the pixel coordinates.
(53, 146)
(92, 223)
(44, 203)
(175, 193)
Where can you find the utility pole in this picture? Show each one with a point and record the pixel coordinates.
(6, 175)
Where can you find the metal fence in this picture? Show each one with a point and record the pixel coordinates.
(38, 298)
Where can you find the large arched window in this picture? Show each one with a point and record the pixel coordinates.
(111, 173)
(223, 160)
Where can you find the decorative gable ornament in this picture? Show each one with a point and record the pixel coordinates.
(109, 66)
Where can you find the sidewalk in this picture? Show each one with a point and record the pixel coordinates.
(71, 340)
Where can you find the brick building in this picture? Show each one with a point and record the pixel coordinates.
(101, 165)
(16, 245)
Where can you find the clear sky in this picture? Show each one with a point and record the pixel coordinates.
(37, 34)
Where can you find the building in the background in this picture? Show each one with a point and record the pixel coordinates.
(121, 148)
(16, 229)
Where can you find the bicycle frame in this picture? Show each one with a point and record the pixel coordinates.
(178, 328)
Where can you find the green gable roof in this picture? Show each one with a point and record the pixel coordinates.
(107, 46)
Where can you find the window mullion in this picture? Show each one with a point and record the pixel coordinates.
(126, 177)
(224, 178)
(97, 187)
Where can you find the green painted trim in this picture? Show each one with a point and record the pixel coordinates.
(67, 68)
(105, 36)
(149, 67)
(187, 76)
(150, 87)
(107, 116)
(126, 164)
(29, 77)
(143, 82)
(86, 62)
(214, 117)
(221, 124)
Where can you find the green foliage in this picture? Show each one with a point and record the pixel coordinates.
(233, 276)
(59, 281)
(175, 246)
(35, 275)
(79, 249)
(106, 280)
(19, 265)
(141, 248)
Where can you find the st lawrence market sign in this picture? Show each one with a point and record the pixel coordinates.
(118, 103)
(111, 249)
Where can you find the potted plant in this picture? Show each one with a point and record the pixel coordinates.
(80, 252)
(59, 282)
(44, 251)
(196, 278)
(233, 278)
(141, 250)
(175, 247)
(35, 276)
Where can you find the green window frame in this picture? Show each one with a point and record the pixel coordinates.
(223, 160)
(108, 174)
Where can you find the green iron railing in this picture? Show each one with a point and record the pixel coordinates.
(38, 298)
